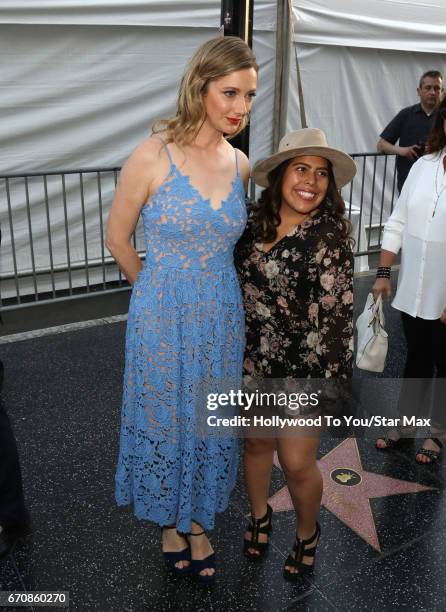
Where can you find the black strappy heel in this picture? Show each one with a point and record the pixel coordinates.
(171, 558)
(255, 527)
(391, 444)
(432, 455)
(299, 552)
(198, 565)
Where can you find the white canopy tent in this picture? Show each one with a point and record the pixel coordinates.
(360, 62)
(81, 83)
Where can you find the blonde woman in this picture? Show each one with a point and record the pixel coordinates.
(185, 323)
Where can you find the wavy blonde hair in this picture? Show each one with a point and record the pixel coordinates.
(215, 58)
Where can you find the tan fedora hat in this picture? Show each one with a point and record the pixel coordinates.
(308, 141)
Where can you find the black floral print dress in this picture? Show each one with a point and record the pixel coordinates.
(298, 302)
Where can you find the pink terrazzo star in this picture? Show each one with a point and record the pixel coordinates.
(348, 488)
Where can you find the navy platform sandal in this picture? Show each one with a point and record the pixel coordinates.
(171, 558)
(198, 565)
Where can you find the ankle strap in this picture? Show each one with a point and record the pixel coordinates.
(256, 526)
(265, 518)
(196, 534)
(315, 535)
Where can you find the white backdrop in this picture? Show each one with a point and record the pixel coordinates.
(360, 63)
(401, 25)
(81, 83)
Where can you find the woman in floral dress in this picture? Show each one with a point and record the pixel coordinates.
(296, 267)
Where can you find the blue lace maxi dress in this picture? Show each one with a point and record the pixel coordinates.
(185, 327)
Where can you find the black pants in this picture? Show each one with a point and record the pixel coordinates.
(426, 361)
(12, 505)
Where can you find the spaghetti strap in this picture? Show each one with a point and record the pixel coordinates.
(236, 161)
(185, 322)
(167, 150)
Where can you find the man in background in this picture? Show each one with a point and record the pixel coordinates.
(412, 125)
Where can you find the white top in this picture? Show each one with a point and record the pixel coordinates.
(418, 227)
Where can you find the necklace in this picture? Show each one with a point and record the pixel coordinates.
(439, 190)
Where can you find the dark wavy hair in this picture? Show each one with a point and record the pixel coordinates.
(267, 209)
(437, 137)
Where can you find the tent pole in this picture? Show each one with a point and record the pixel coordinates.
(237, 20)
(281, 71)
(300, 91)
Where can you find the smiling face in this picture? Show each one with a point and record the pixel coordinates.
(304, 185)
(228, 100)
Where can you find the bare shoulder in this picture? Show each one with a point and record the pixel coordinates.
(244, 166)
(144, 165)
(146, 155)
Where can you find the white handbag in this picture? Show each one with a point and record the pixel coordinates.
(371, 349)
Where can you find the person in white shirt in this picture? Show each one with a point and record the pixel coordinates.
(417, 226)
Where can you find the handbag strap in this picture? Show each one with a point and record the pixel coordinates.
(377, 311)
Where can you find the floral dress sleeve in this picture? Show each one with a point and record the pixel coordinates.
(335, 307)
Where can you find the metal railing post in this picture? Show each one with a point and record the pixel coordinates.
(34, 274)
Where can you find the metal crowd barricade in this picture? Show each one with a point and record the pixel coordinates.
(371, 196)
(53, 236)
(53, 229)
